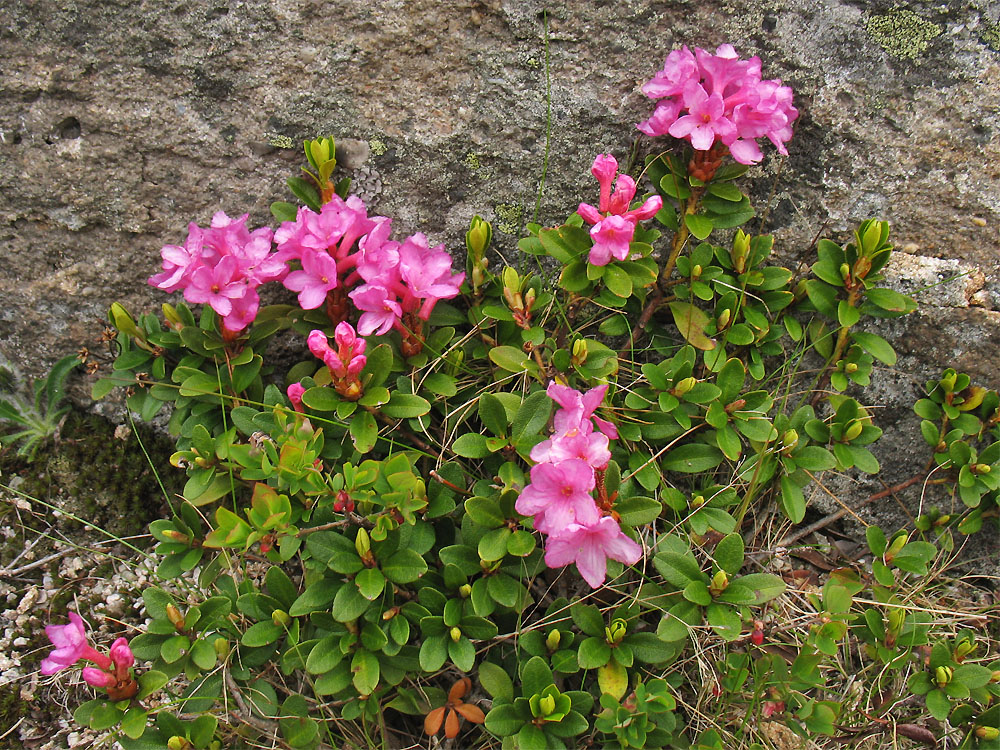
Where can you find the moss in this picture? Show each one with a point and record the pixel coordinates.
(901, 33)
(509, 217)
(12, 708)
(98, 477)
(378, 147)
(990, 35)
(472, 161)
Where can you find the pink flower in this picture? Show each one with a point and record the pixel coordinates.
(709, 99)
(121, 654)
(317, 277)
(98, 677)
(590, 546)
(613, 223)
(379, 309)
(294, 393)
(427, 273)
(559, 494)
(578, 409)
(71, 645)
(592, 448)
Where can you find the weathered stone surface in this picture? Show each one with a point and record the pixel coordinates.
(121, 122)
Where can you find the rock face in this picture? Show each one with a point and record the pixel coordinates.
(121, 122)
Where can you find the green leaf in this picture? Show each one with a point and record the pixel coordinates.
(593, 652)
(535, 676)
(588, 618)
(938, 704)
(349, 604)
(532, 416)
(462, 654)
(699, 225)
(793, 502)
(697, 592)
(261, 634)
(876, 346)
(370, 583)
(847, 314)
(405, 406)
(365, 667)
(364, 431)
(321, 398)
(618, 281)
(492, 414)
(765, 586)
(440, 384)
(725, 621)
(509, 358)
(679, 569)
(404, 566)
(496, 682)
(471, 445)
(692, 322)
(434, 652)
(729, 553)
(638, 511)
(504, 720)
(692, 458)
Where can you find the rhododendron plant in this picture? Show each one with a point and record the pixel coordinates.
(72, 644)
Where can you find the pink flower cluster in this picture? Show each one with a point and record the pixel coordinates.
(71, 645)
(570, 466)
(706, 98)
(390, 280)
(222, 266)
(613, 223)
(345, 362)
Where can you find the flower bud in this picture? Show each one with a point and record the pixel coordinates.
(280, 618)
(175, 617)
(942, 676)
(895, 546)
(845, 271)
(477, 239)
(123, 321)
(455, 634)
(790, 439)
(697, 501)
(529, 299)
(552, 641)
(850, 367)
(981, 468)
(853, 430)
(221, 646)
(579, 352)
(179, 743)
(757, 636)
(465, 591)
(696, 271)
(720, 582)
(723, 320)
(683, 386)
(172, 317)
(511, 280)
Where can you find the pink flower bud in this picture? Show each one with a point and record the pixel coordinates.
(98, 678)
(121, 654)
(318, 343)
(295, 391)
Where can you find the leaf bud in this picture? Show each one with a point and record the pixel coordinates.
(696, 271)
(995, 676)
(455, 634)
(684, 386)
(948, 379)
(697, 501)
(172, 317)
(616, 632)
(579, 352)
(850, 367)
(845, 271)
(790, 439)
(964, 649)
(853, 430)
(740, 251)
(529, 299)
(552, 641)
(511, 280)
(897, 616)
(477, 239)
(363, 544)
(987, 733)
(221, 646)
(981, 468)
(546, 705)
(723, 320)
(175, 617)
(720, 582)
(942, 676)
(465, 591)
(280, 618)
(861, 267)
(123, 321)
(179, 743)
(895, 546)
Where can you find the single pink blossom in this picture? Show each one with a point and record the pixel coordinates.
(426, 272)
(578, 409)
(705, 120)
(592, 448)
(98, 677)
(559, 494)
(589, 546)
(317, 277)
(379, 308)
(71, 645)
(680, 67)
(611, 240)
